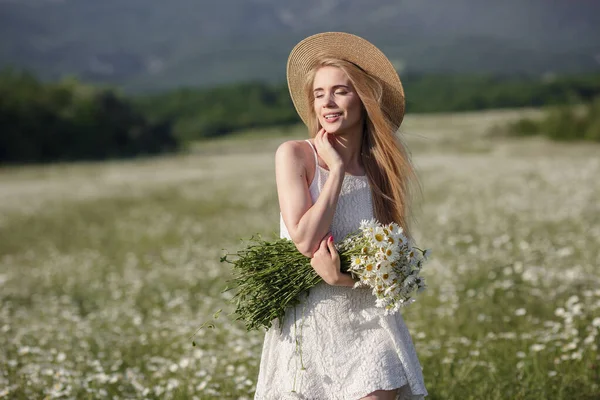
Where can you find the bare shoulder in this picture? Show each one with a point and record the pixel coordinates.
(294, 151)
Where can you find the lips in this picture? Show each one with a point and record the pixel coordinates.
(331, 117)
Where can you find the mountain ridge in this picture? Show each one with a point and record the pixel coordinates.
(149, 45)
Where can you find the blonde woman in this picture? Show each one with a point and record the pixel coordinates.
(336, 344)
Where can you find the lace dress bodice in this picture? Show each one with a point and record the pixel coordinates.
(354, 203)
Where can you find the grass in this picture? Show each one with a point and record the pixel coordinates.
(107, 269)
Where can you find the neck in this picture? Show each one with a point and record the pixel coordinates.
(348, 144)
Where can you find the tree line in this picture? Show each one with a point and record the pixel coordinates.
(563, 123)
(71, 120)
(68, 120)
(204, 113)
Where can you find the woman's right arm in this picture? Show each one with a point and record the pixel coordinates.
(306, 222)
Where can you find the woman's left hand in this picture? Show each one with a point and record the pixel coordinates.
(326, 261)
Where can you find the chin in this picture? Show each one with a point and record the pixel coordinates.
(332, 128)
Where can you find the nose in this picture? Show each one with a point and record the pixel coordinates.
(329, 103)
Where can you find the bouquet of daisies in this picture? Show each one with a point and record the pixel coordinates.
(270, 276)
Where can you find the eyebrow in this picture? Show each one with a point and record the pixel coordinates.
(333, 87)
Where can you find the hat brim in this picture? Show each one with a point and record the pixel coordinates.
(354, 49)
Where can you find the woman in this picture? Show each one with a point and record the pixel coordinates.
(336, 344)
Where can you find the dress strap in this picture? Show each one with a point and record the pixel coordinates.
(317, 172)
(314, 152)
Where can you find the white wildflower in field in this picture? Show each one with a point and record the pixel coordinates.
(537, 347)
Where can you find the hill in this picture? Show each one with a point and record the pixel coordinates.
(153, 45)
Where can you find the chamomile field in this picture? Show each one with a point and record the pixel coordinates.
(108, 269)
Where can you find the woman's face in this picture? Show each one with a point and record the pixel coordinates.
(337, 105)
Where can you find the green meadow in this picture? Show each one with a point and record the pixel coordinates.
(108, 268)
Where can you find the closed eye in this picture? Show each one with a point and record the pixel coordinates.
(341, 93)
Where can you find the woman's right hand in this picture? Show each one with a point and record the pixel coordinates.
(326, 150)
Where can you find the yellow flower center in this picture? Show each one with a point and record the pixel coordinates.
(379, 237)
(369, 267)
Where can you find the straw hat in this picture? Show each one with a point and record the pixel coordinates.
(351, 48)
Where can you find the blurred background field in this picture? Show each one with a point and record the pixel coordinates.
(107, 269)
(137, 145)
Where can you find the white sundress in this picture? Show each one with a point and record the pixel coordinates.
(347, 346)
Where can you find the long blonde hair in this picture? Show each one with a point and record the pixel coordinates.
(385, 158)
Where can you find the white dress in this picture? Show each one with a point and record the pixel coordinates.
(348, 348)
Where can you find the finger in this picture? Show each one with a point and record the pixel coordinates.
(319, 137)
(331, 245)
(327, 137)
(319, 134)
(322, 250)
(323, 246)
(322, 138)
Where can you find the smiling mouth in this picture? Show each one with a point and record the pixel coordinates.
(332, 116)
